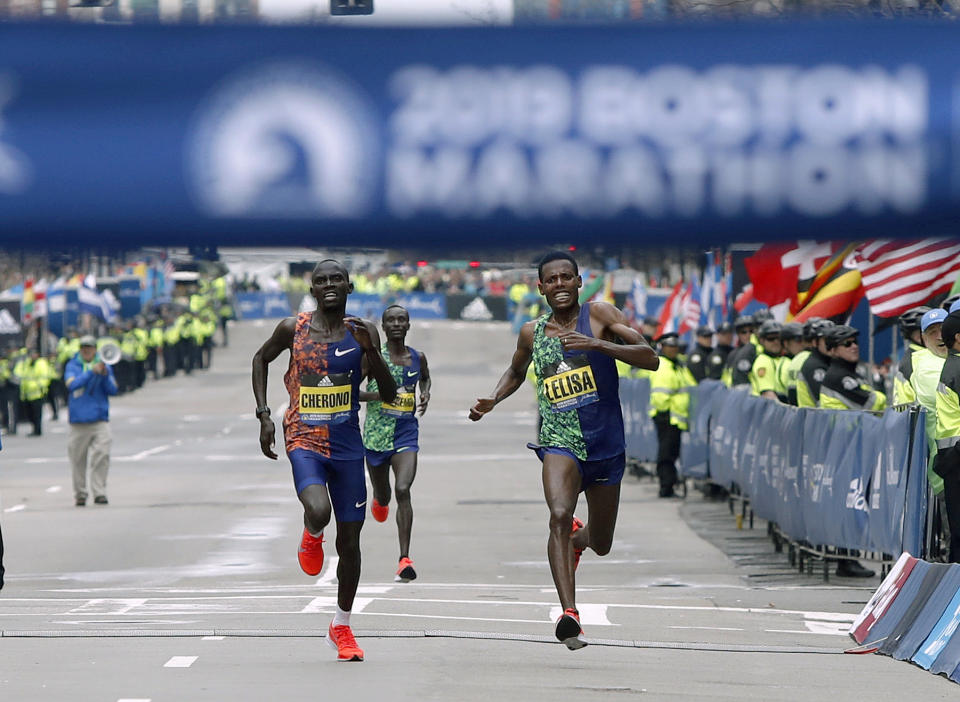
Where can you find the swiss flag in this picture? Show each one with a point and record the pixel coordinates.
(777, 269)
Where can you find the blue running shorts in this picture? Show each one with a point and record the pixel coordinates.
(606, 471)
(345, 481)
(379, 458)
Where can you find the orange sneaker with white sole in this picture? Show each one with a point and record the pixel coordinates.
(405, 571)
(568, 630)
(341, 638)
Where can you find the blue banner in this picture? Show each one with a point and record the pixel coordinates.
(830, 478)
(262, 305)
(290, 135)
(130, 301)
(419, 305)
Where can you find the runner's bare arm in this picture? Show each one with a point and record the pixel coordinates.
(279, 341)
(513, 377)
(425, 385)
(634, 350)
(373, 364)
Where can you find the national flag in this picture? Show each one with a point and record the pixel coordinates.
(26, 314)
(690, 308)
(779, 270)
(712, 294)
(900, 274)
(670, 314)
(833, 292)
(744, 298)
(593, 284)
(92, 302)
(638, 295)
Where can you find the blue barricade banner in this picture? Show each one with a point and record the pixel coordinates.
(262, 305)
(419, 305)
(130, 302)
(831, 478)
(426, 137)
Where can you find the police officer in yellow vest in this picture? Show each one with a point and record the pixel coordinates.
(764, 374)
(814, 369)
(171, 347)
(947, 464)
(909, 322)
(34, 375)
(155, 347)
(8, 395)
(795, 365)
(791, 340)
(669, 407)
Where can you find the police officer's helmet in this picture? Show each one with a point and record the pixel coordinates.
(792, 331)
(741, 323)
(808, 333)
(822, 327)
(949, 301)
(725, 328)
(770, 328)
(839, 334)
(910, 320)
(761, 316)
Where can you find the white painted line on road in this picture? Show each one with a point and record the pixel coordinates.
(54, 488)
(213, 638)
(845, 632)
(708, 628)
(330, 572)
(134, 699)
(16, 508)
(329, 603)
(112, 606)
(180, 662)
(143, 454)
(56, 459)
(590, 614)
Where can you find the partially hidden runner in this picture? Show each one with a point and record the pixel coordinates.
(582, 447)
(391, 431)
(330, 354)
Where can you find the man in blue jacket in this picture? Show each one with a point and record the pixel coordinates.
(90, 382)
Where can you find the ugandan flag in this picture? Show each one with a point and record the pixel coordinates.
(833, 292)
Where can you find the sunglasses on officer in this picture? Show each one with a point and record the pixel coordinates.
(849, 342)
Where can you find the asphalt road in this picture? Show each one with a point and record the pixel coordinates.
(186, 587)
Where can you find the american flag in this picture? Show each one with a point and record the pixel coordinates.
(900, 274)
(690, 305)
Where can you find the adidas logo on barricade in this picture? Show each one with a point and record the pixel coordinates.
(476, 310)
(8, 325)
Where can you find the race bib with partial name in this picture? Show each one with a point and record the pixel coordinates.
(403, 405)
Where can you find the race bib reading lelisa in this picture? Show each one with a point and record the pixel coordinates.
(325, 399)
(402, 405)
(569, 384)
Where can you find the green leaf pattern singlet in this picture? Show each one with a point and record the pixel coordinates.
(379, 429)
(559, 429)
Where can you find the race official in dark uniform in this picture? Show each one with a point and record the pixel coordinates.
(718, 357)
(843, 389)
(947, 462)
(814, 369)
(699, 355)
(741, 359)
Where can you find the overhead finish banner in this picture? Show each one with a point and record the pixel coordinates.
(256, 135)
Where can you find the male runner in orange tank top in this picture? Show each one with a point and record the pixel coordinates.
(330, 354)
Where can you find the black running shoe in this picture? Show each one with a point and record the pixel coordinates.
(568, 630)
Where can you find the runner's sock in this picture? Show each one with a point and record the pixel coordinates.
(341, 618)
(317, 535)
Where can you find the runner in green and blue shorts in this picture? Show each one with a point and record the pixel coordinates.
(391, 431)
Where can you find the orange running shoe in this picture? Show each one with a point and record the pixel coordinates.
(379, 511)
(341, 638)
(577, 552)
(405, 571)
(568, 630)
(310, 553)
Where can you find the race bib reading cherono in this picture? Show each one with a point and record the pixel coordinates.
(569, 384)
(325, 399)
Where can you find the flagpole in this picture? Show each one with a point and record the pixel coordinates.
(870, 326)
